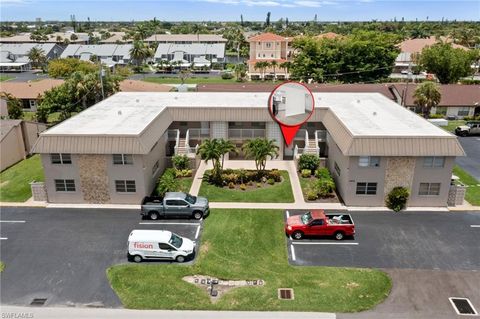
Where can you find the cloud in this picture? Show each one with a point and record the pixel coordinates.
(277, 3)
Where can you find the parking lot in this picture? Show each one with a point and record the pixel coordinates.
(471, 162)
(419, 240)
(63, 254)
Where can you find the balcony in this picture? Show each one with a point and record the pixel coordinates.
(245, 133)
(198, 133)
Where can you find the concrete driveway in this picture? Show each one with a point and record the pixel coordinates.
(415, 240)
(471, 162)
(63, 254)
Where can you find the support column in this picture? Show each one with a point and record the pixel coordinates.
(273, 132)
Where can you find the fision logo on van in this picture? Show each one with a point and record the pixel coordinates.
(143, 245)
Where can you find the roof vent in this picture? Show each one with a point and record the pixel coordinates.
(137, 100)
(358, 101)
(119, 112)
(374, 113)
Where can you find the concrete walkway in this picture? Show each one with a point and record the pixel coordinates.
(77, 313)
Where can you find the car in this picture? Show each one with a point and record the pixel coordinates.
(158, 244)
(317, 223)
(175, 205)
(470, 128)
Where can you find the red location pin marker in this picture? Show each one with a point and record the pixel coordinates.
(291, 104)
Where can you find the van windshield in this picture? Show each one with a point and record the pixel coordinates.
(175, 241)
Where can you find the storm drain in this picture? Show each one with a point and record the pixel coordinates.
(38, 302)
(285, 294)
(463, 306)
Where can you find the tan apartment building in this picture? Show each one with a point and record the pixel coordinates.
(268, 47)
(114, 151)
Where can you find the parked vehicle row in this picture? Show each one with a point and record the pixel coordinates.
(470, 128)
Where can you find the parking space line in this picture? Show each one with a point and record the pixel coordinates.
(475, 226)
(198, 232)
(288, 214)
(322, 243)
(3, 238)
(12, 221)
(153, 223)
(292, 249)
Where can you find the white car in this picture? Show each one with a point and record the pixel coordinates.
(158, 244)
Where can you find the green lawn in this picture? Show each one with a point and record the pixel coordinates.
(5, 78)
(278, 193)
(2, 266)
(473, 191)
(248, 244)
(185, 184)
(452, 125)
(15, 180)
(191, 80)
(52, 118)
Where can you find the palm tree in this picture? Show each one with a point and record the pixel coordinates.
(37, 56)
(240, 71)
(139, 52)
(286, 66)
(196, 30)
(210, 150)
(259, 150)
(274, 64)
(226, 147)
(261, 65)
(427, 95)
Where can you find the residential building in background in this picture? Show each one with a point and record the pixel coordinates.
(17, 139)
(185, 50)
(370, 144)
(56, 37)
(14, 56)
(268, 47)
(29, 92)
(108, 54)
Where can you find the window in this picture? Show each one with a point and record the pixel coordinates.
(175, 202)
(366, 188)
(434, 161)
(369, 161)
(32, 103)
(441, 110)
(432, 189)
(337, 169)
(61, 158)
(122, 159)
(123, 186)
(155, 167)
(463, 111)
(164, 246)
(317, 222)
(65, 185)
(268, 45)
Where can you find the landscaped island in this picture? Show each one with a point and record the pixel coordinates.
(245, 244)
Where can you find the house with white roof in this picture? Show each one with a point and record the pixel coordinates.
(14, 56)
(109, 54)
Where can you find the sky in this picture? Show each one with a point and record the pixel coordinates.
(230, 10)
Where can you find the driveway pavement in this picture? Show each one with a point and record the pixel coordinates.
(24, 76)
(471, 162)
(415, 240)
(62, 254)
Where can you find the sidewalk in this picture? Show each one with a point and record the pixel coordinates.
(77, 313)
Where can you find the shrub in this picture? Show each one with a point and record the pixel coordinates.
(322, 173)
(311, 194)
(397, 198)
(227, 76)
(231, 185)
(436, 116)
(181, 162)
(306, 173)
(325, 186)
(259, 185)
(183, 173)
(250, 183)
(167, 183)
(275, 175)
(308, 161)
(243, 187)
(270, 181)
(230, 178)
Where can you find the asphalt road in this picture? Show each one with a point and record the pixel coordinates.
(471, 162)
(24, 76)
(63, 254)
(408, 240)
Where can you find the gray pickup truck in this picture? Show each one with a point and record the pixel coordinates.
(175, 205)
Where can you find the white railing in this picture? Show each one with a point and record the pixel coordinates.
(320, 135)
(177, 141)
(187, 138)
(300, 134)
(172, 134)
(295, 151)
(199, 133)
(245, 133)
(306, 138)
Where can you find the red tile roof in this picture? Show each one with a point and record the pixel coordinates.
(452, 94)
(266, 60)
(328, 35)
(267, 37)
(29, 90)
(417, 45)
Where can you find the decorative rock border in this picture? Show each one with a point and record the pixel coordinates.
(217, 287)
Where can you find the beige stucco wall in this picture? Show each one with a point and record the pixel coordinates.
(336, 156)
(30, 133)
(94, 178)
(62, 171)
(12, 149)
(158, 153)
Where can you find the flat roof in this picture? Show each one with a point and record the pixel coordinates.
(363, 114)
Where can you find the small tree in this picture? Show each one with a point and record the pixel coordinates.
(240, 70)
(260, 149)
(210, 150)
(427, 96)
(14, 106)
(397, 198)
(274, 65)
(180, 162)
(37, 56)
(167, 183)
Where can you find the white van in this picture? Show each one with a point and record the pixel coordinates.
(158, 244)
